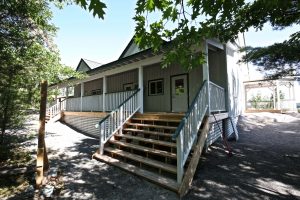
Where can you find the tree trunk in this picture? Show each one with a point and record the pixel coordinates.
(42, 158)
(6, 102)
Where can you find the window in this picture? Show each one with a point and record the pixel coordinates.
(156, 87)
(179, 87)
(128, 86)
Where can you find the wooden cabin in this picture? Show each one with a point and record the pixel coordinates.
(155, 122)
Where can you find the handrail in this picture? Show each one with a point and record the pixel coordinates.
(187, 131)
(187, 114)
(117, 118)
(218, 86)
(102, 120)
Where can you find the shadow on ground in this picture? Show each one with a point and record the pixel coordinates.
(265, 165)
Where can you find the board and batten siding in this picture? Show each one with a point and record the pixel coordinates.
(88, 87)
(116, 83)
(93, 85)
(162, 103)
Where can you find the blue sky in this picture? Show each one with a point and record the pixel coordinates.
(80, 35)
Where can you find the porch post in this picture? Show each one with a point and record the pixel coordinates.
(206, 74)
(274, 100)
(141, 87)
(67, 92)
(246, 97)
(278, 95)
(81, 95)
(104, 92)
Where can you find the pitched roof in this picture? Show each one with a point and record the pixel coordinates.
(91, 64)
(131, 48)
(87, 64)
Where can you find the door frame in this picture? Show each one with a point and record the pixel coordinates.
(187, 86)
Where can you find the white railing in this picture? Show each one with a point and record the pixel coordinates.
(92, 103)
(116, 119)
(186, 133)
(113, 100)
(56, 109)
(95, 102)
(217, 98)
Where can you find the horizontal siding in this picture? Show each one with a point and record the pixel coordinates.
(85, 125)
(215, 133)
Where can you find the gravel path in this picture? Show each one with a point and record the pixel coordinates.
(265, 165)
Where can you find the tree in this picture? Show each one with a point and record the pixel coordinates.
(27, 56)
(186, 23)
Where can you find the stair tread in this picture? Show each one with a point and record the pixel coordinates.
(141, 159)
(152, 126)
(149, 132)
(150, 176)
(160, 120)
(169, 144)
(144, 149)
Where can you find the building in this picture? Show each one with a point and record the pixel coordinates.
(150, 119)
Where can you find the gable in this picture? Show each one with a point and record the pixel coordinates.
(131, 48)
(82, 67)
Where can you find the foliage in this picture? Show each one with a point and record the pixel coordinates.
(27, 56)
(187, 23)
(260, 102)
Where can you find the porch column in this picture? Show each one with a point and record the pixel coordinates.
(274, 100)
(206, 74)
(278, 94)
(246, 97)
(81, 95)
(141, 87)
(67, 92)
(104, 92)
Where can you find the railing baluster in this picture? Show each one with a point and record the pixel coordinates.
(115, 120)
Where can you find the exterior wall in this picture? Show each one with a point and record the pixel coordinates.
(89, 87)
(92, 86)
(83, 67)
(117, 82)
(131, 50)
(235, 82)
(162, 103)
(215, 130)
(77, 90)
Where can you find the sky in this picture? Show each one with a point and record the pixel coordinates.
(80, 35)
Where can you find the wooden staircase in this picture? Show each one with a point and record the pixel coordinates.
(144, 146)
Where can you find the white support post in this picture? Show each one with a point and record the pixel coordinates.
(67, 92)
(246, 97)
(104, 92)
(278, 95)
(206, 74)
(81, 95)
(141, 87)
(274, 100)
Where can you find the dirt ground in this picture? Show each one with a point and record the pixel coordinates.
(265, 165)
